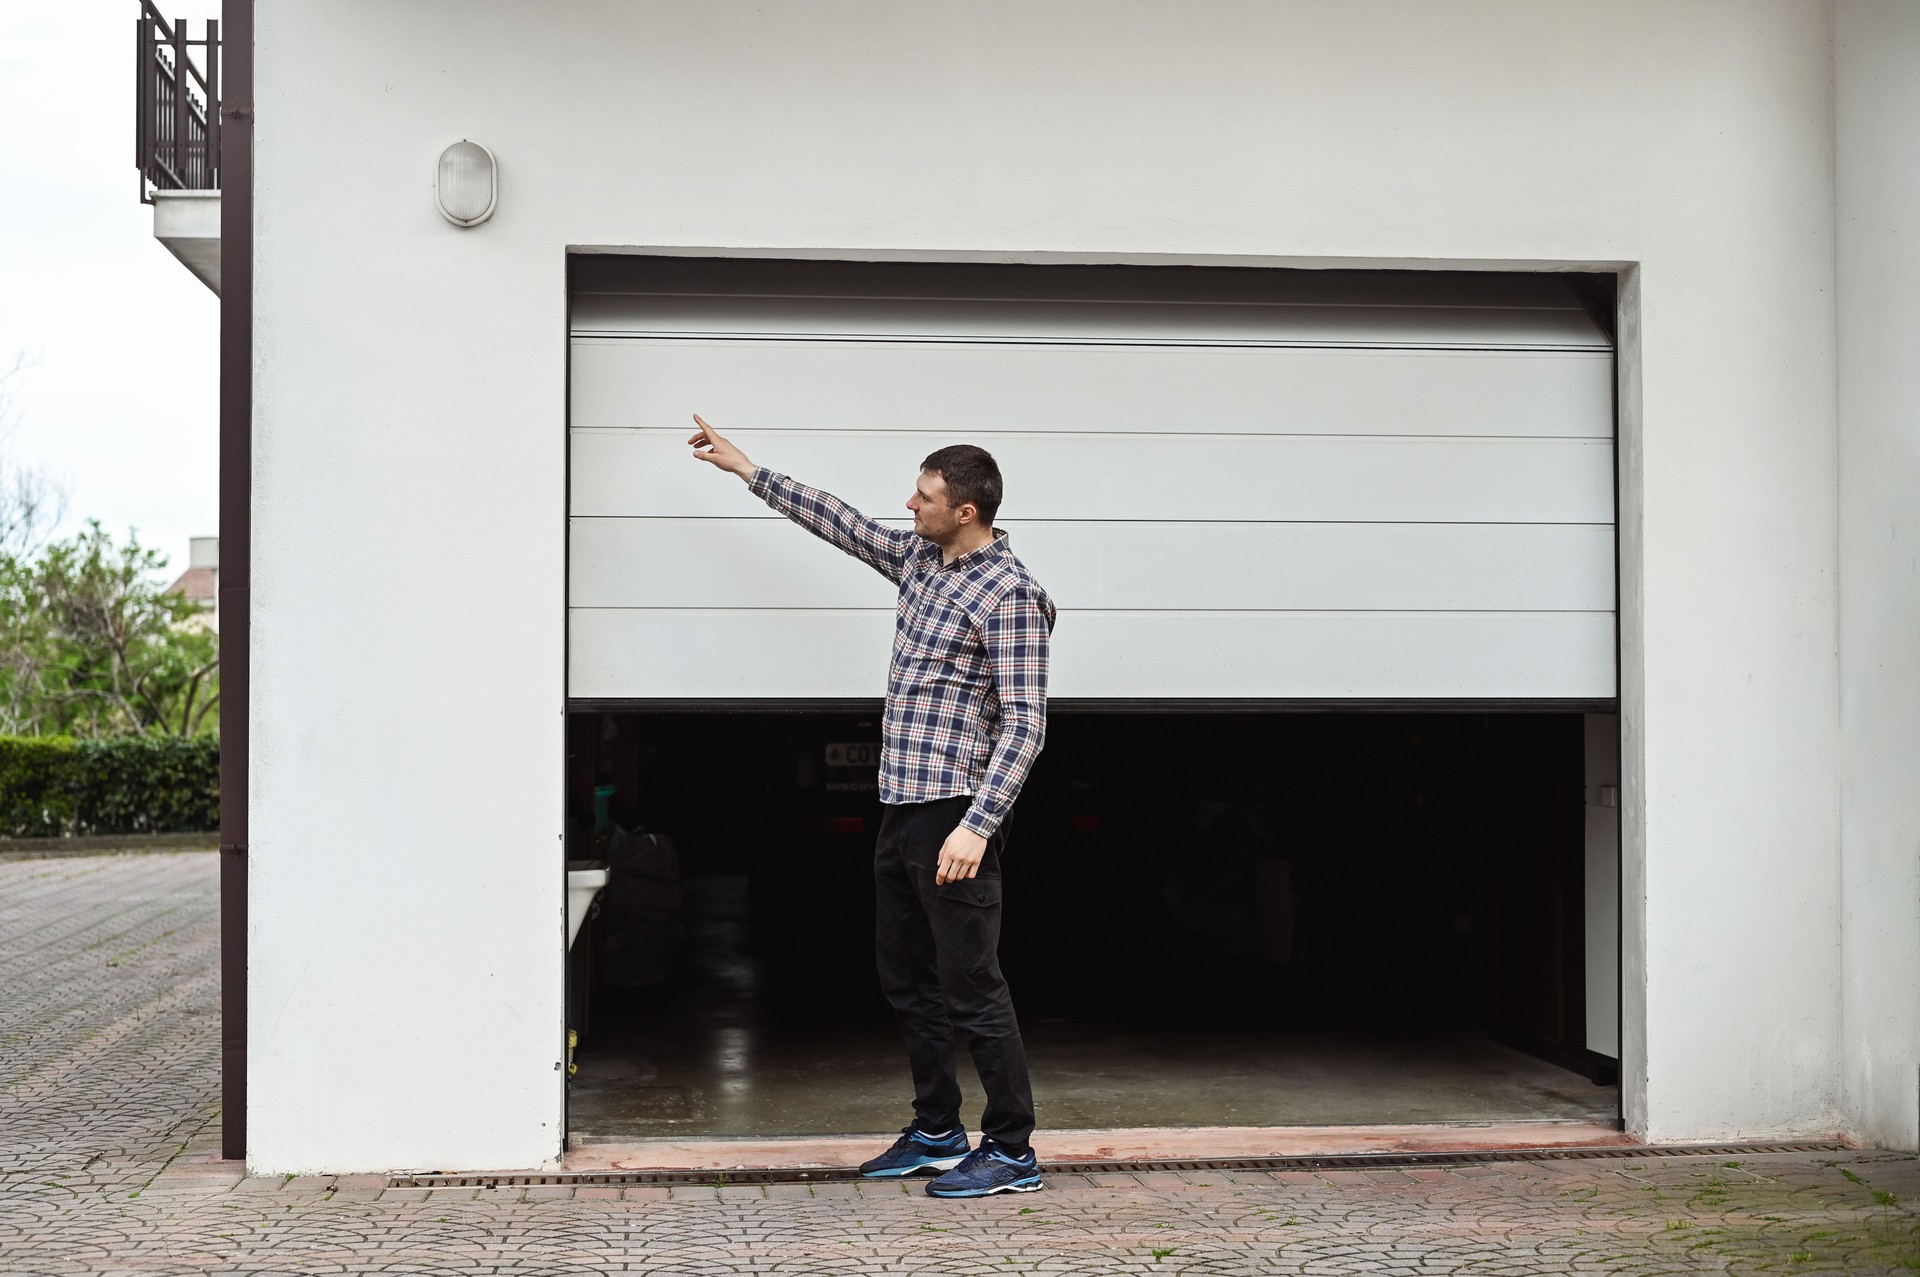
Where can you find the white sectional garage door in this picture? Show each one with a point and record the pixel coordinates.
(1236, 485)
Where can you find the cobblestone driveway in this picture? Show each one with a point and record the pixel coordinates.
(108, 1045)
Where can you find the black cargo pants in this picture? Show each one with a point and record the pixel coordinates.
(939, 961)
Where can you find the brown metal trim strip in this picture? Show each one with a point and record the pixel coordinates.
(236, 541)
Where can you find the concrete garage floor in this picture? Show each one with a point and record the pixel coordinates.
(720, 1052)
(742, 1079)
(736, 1080)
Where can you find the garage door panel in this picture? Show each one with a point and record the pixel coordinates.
(760, 386)
(1236, 484)
(1363, 479)
(769, 564)
(698, 654)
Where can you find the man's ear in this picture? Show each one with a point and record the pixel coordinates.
(967, 512)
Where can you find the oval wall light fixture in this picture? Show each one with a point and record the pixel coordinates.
(468, 184)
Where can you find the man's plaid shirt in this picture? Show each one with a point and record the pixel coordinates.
(967, 688)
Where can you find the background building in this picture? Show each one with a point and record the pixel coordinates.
(201, 580)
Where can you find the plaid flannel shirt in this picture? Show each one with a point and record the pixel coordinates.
(967, 687)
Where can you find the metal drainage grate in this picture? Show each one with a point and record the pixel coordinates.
(1302, 1162)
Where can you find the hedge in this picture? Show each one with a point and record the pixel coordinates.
(55, 786)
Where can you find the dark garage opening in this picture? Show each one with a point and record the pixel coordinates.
(1212, 919)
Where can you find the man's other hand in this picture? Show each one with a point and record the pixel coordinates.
(708, 446)
(959, 856)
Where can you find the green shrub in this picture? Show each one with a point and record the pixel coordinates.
(36, 797)
(54, 786)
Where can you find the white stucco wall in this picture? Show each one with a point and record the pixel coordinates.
(1877, 77)
(410, 438)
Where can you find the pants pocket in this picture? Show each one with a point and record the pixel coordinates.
(980, 893)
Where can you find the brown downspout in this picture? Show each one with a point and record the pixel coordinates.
(236, 546)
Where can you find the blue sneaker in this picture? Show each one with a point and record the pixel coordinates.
(915, 1152)
(989, 1169)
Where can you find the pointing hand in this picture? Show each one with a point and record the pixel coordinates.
(709, 446)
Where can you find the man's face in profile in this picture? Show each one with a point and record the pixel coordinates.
(933, 517)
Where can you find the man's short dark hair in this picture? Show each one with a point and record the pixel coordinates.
(971, 474)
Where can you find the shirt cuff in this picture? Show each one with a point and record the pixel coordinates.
(980, 822)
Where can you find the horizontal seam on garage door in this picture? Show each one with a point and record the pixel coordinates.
(1071, 609)
(1185, 435)
(968, 339)
(1014, 525)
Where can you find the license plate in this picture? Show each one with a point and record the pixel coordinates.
(854, 754)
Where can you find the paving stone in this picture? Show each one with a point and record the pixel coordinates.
(262, 1184)
(1298, 1179)
(344, 1182)
(788, 1191)
(1111, 1180)
(109, 1140)
(304, 1185)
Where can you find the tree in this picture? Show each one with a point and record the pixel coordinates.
(30, 502)
(91, 645)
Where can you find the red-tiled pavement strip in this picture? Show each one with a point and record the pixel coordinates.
(108, 1136)
(1133, 1144)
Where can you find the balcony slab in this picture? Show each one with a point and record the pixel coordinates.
(188, 223)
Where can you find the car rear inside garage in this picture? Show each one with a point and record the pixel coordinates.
(1319, 835)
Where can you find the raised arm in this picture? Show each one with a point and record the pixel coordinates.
(880, 547)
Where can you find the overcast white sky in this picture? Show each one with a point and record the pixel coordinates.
(121, 401)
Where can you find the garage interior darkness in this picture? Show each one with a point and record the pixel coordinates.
(1239, 918)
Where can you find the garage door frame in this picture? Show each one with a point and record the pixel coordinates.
(1629, 556)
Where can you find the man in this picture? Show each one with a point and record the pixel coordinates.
(966, 715)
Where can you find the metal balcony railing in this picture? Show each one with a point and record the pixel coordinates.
(176, 106)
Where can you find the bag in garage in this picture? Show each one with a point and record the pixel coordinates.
(641, 920)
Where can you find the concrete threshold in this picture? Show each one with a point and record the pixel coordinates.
(1128, 1144)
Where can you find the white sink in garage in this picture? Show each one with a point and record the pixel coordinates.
(585, 880)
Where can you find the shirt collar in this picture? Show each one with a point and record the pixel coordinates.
(1000, 544)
